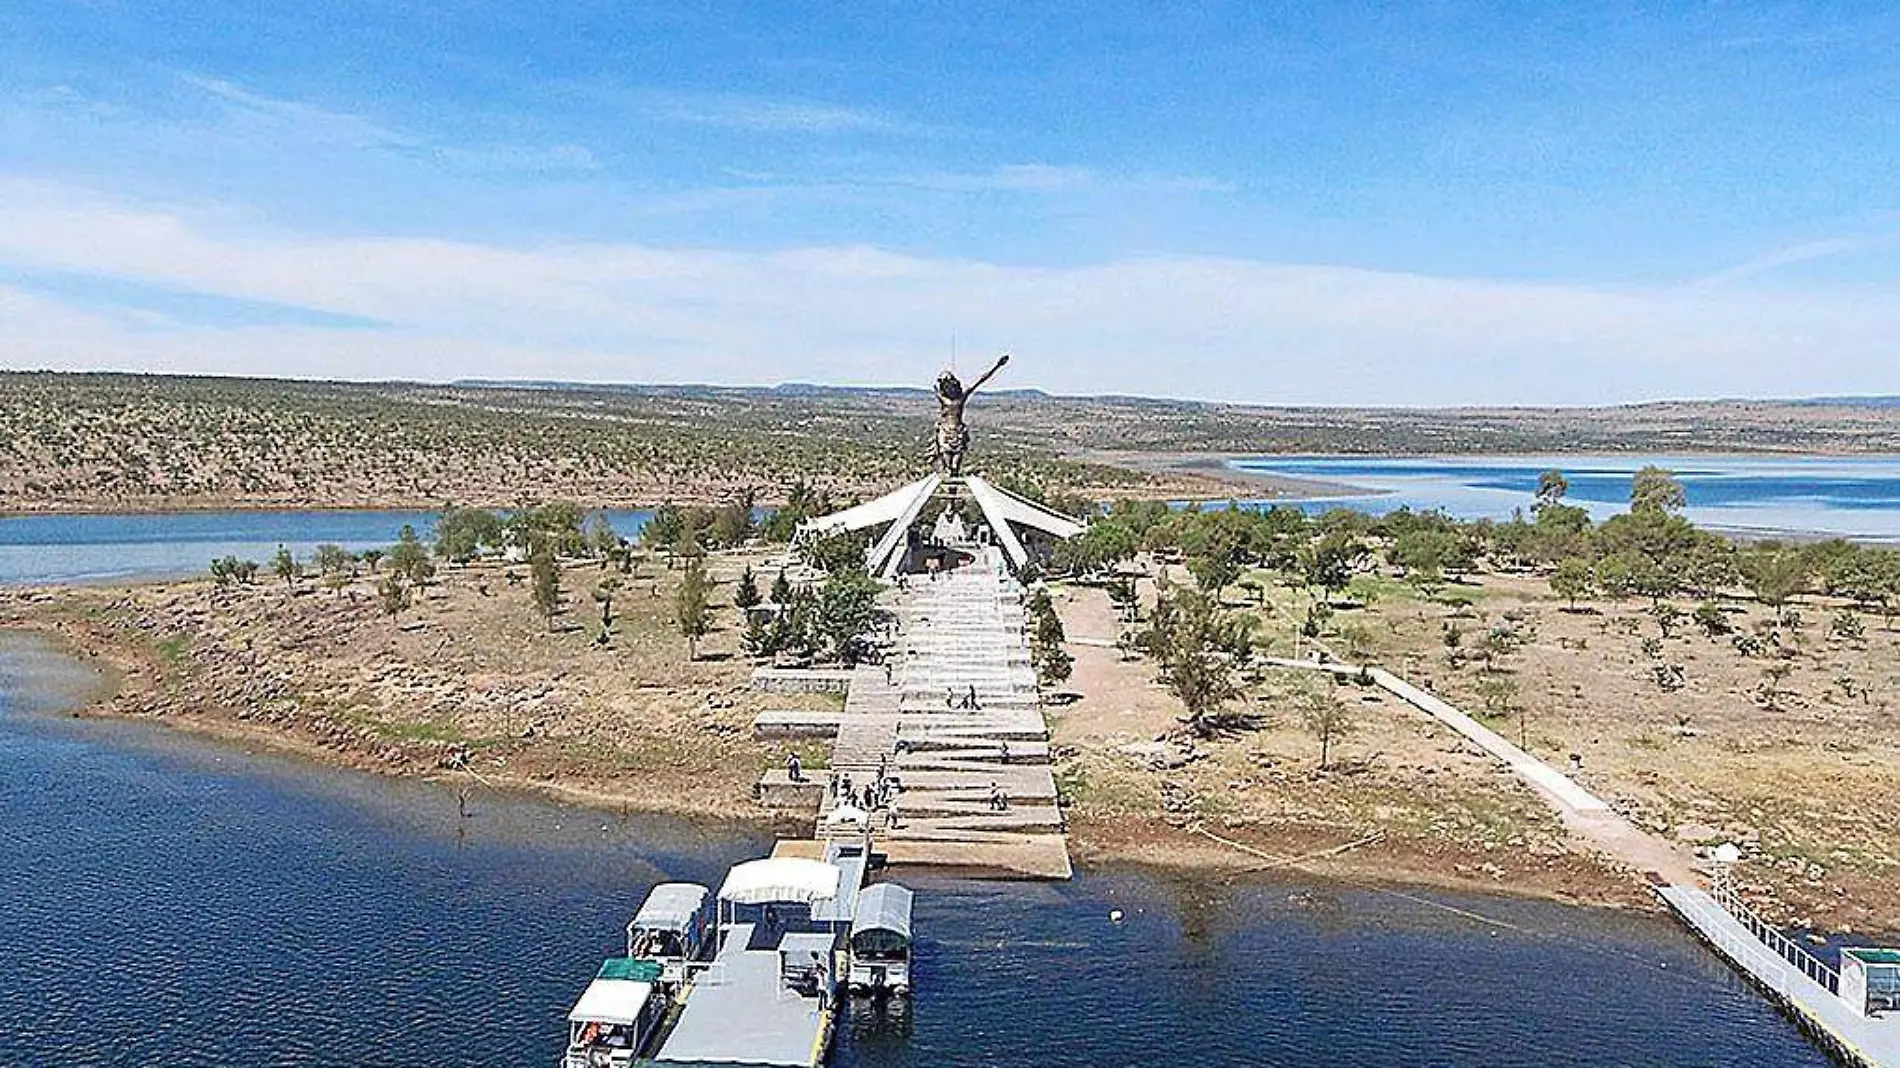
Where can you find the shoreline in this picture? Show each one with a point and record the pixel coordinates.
(1098, 842)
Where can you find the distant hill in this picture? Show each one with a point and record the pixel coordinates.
(1851, 402)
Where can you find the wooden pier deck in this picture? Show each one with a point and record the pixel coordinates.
(1867, 1041)
(963, 630)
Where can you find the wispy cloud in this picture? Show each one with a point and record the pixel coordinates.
(1805, 252)
(1048, 178)
(1180, 325)
(759, 114)
(309, 122)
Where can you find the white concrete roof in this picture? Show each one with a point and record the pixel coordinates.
(612, 1001)
(799, 879)
(1001, 508)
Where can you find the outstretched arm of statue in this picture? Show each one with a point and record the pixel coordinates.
(987, 375)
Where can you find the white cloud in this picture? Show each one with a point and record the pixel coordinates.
(1172, 326)
(305, 123)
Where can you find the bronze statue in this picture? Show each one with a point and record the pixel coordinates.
(953, 438)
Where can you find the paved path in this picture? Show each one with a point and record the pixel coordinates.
(1587, 815)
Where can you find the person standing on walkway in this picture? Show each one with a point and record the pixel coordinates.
(971, 702)
(793, 770)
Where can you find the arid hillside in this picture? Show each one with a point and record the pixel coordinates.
(100, 441)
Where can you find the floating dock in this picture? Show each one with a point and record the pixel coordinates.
(1801, 985)
(741, 1009)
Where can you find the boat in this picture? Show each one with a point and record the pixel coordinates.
(624, 1011)
(617, 1017)
(877, 954)
(674, 928)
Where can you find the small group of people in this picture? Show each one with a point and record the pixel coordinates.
(880, 793)
(962, 699)
(999, 801)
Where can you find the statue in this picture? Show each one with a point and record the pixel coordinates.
(953, 438)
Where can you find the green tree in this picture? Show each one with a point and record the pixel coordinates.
(462, 533)
(746, 594)
(410, 558)
(545, 583)
(1330, 561)
(844, 614)
(1551, 488)
(1046, 638)
(604, 592)
(1775, 575)
(1655, 490)
(1326, 718)
(692, 610)
(781, 589)
(1188, 637)
(285, 565)
(392, 593)
(663, 530)
(1571, 580)
(372, 557)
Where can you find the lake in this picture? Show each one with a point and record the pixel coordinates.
(174, 901)
(1855, 496)
(88, 548)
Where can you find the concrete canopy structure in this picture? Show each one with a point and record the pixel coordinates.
(897, 512)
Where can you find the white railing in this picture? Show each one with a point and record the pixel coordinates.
(1770, 935)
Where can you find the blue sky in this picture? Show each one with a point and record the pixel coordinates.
(1338, 203)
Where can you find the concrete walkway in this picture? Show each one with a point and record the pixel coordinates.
(959, 633)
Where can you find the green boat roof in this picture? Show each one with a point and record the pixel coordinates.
(1876, 956)
(645, 971)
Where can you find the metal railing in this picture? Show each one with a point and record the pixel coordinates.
(1769, 935)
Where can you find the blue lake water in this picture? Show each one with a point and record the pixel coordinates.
(169, 901)
(81, 548)
(1850, 496)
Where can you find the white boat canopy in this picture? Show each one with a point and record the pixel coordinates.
(797, 879)
(883, 919)
(671, 907)
(611, 1001)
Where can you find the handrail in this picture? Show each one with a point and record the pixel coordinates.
(1768, 934)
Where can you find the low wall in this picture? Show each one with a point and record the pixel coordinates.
(801, 680)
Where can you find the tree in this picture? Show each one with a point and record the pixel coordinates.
(838, 553)
(333, 559)
(1713, 621)
(1326, 718)
(1104, 544)
(392, 593)
(781, 590)
(1655, 490)
(1213, 571)
(692, 611)
(1046, 637)
(1551, 488)
(746, 594)
(1188, 637)
(1774, 575)
(286, 566)
(546, 583)
(1571, 580)
(663, 530)
(410, 558)
(604, 592)
(462, 533)
(1328, 563)
(844, 614)
(372, 557)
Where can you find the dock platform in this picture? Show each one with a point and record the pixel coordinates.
(780, 1027)
(1866, 1041)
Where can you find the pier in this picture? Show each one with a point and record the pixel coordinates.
(1804, 987)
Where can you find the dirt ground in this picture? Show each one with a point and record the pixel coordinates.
(1803, 780)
